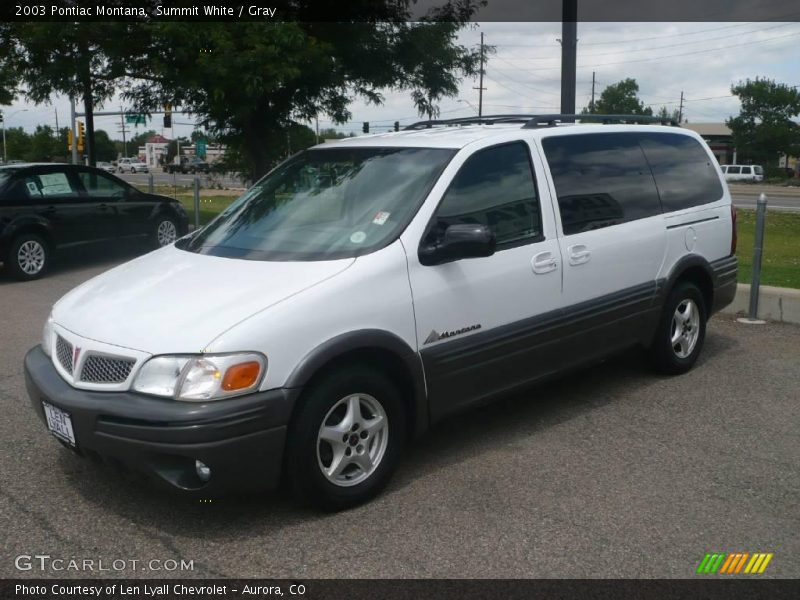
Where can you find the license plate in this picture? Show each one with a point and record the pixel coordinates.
(59, 423)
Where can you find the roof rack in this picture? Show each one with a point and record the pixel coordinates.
(531, 121)
(483, 120)
(552, 120)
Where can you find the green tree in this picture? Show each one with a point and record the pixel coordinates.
(250, 81)
(329, 133)
(621, 98)
(764, 128)
(17, 143)
(666, 114)
(85, 60)
(105, 149)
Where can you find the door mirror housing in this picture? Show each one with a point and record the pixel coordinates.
(462, 240)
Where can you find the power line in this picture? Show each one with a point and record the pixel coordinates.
(652, 48)
(694, 53)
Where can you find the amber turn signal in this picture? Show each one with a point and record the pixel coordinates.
(241, 376)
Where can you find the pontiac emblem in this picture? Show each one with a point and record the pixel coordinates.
(76, 352)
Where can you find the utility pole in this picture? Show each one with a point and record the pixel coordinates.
(480, 87)
(591, 104)
(74, 133)
(680, 110)
(569, 43)
(56, 111)
(124, 141)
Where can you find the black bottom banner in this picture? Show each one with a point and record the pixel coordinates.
(390, 589)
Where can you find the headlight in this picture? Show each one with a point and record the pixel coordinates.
(47, 336)
(201, 377)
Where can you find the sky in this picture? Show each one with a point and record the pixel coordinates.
(701, 59)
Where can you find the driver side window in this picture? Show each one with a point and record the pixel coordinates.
(494, 187)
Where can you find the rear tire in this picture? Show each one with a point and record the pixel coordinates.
(28, 257)
(333, 472)
(681, 330)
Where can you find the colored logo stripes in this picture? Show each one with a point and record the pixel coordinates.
(734, 562)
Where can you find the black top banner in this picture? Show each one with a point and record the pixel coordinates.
(400, 10)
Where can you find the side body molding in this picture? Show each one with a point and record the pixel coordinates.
(365, 340)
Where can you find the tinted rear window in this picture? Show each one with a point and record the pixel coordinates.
(601, 179)
(685, 173)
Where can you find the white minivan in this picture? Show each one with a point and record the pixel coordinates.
(367, 288)
(753, 173)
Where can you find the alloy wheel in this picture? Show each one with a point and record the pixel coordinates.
(31, 257)
(166, 233)
(352, 440)
(685, 328)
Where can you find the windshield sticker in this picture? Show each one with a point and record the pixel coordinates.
(358, 237)
(381, 217)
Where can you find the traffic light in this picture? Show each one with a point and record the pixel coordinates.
(397, 125)
(365, 127)
(167, 115)
(1, 116)
(80, 136)
(69, 139)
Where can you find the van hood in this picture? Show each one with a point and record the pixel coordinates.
(173, 301)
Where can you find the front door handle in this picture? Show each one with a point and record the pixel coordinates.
(578, 254)
(544, 262)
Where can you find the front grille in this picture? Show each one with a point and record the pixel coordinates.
(106, 369)
(64, 353)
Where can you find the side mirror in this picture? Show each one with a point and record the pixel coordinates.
(459, 241)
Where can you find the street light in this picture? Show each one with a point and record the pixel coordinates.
(5, 158)
(468, 103)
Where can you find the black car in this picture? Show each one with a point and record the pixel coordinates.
(47, 207)
(191, 164)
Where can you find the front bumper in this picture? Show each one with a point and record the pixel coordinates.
(240, 439)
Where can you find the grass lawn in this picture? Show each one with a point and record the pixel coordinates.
(780, 264)
(210, 206)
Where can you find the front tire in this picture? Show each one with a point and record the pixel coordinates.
(165, 232)
(346, 439)
(28, 257)
(681, 330)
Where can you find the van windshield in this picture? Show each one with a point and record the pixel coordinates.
(758, 170)
(325, 204)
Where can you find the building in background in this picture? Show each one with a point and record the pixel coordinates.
(718, 137)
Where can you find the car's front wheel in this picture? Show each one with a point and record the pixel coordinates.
(681, 330)
(346, 439)
(28, 257)
(165, 232)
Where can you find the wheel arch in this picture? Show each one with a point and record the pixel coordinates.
(35, 226)
(698, 271)
(382, 349)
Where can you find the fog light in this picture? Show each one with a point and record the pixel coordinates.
(203, 471)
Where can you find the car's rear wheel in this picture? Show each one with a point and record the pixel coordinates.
(165, 231)
(28, 257)
(345, 442)
(681, 330)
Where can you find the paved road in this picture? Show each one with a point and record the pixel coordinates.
(161, 178)
(614, 473)
(776, 203)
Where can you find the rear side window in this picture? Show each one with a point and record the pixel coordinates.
(48, 184)
(494, 187)
(601, 179)
(684, 172)
(734, 170)
(746, 171)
